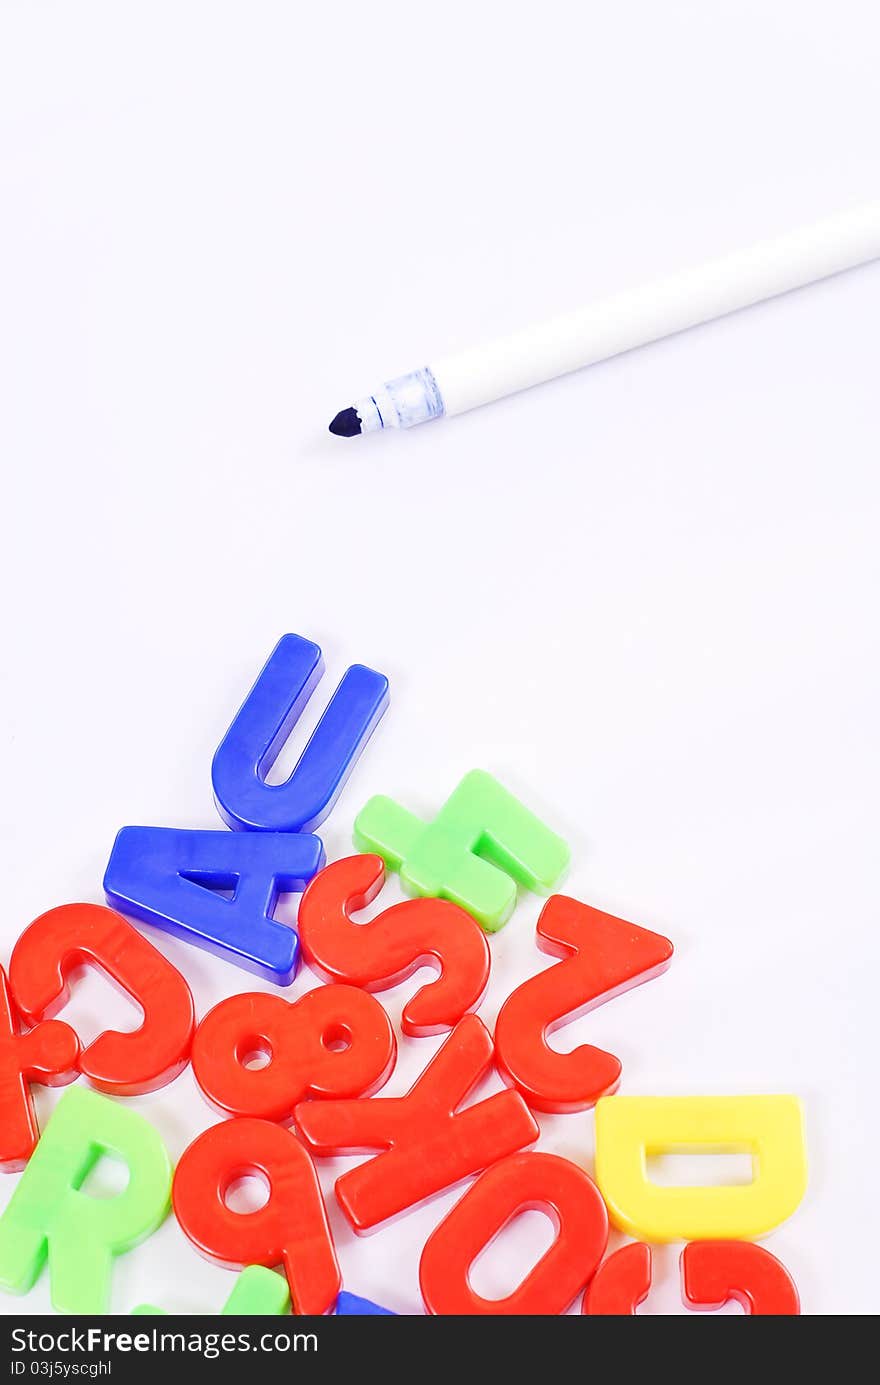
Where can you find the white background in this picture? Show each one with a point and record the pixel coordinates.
(644, 597)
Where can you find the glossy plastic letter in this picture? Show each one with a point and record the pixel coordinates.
(171, 877)
(74, 935)
(394, 944)
(604, 956)
(714, 1272)
(621, 1283)
(523, 1182)
(427, 1144)
(261, 727)
(290, 1229)
(481, 844)
(770, 1128)
(50, 1220)
(48, 1054)
(334, 1041)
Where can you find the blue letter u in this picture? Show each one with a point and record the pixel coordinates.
(269, 712)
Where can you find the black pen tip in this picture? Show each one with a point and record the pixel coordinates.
(346, 424)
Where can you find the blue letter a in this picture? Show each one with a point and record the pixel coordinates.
(172, 878)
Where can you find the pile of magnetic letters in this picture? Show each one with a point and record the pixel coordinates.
(295, 1082)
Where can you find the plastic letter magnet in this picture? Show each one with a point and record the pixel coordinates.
(50, 1221)
(290, 1229)
(603, 956)
(621, 1283)
(74, 935)
(427, 1142)
(333, 1041)
(48, 1054)
(262, 726)
(394, 944)
(630, 1128)
(714, 1272)
(524, 1182)
(173, 878)
(481, 844)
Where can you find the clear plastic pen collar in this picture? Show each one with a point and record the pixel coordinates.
(412, 399)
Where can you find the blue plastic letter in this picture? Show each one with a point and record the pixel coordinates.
(269, 712)
(351, 1304)
(170, 877)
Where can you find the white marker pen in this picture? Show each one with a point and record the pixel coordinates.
(468, 379)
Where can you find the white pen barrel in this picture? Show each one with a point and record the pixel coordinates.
(656, 310)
